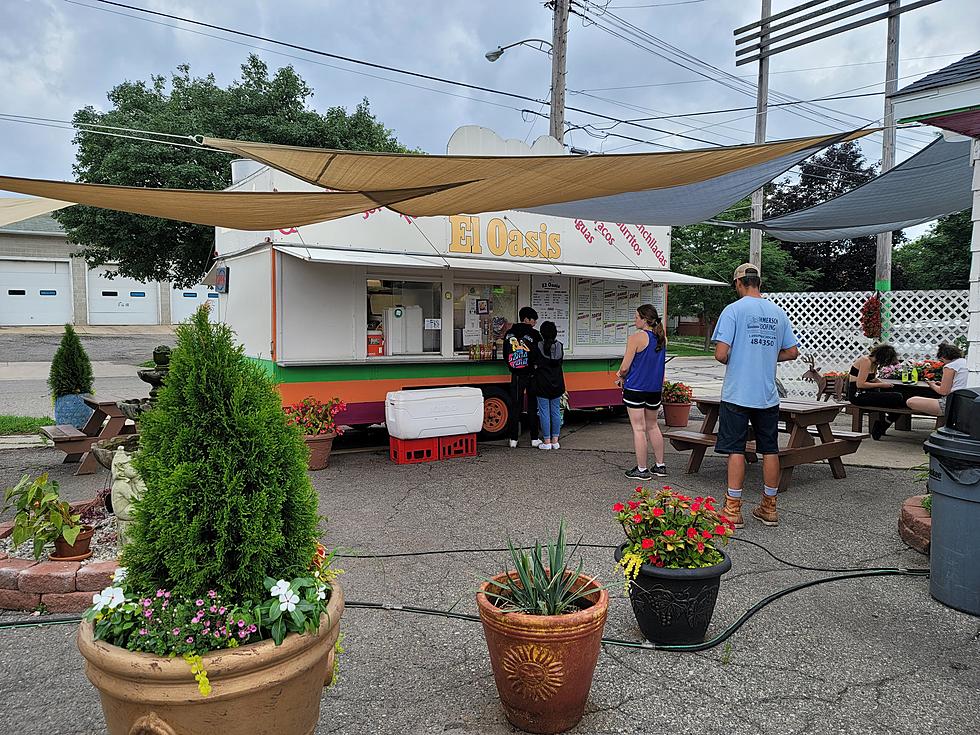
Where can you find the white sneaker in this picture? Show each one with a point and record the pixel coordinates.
(542, 445)
(536, 442)
(555, 445)
(513, 443)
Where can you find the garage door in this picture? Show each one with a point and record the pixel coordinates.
(184, 302)
(121, 300)
(34, 292)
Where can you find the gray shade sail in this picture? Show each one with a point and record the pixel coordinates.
(680, 205)
(933, 182)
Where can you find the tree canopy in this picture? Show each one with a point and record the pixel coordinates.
(258, 106)
(940, 259)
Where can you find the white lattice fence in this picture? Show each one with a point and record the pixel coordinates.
(829, 327)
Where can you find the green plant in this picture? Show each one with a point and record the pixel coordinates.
(927, 503)
(23, 424)
(228, 501)
(71, 371)
(41, 514)
(670, 530)
(539, 585)
(314, 417)
(676, 393)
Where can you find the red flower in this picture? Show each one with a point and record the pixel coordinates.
(657, 512)
(700, 547)
(706, 534)
(632, 504)
(720, 530)
(692, 533)
(670, 532)
(637, 518)
(638, 490)
(654, 559)
(647, 543)
(668, 488)
(695, 508)
(619, 508)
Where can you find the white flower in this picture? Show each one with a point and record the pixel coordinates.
(280, 588)
(287, 602)
(321, 592)
(119, 576)
(110, 597)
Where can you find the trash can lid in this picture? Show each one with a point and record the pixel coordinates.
(963, 412)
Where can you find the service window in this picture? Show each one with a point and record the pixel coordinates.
(403, 317)
(481, 312)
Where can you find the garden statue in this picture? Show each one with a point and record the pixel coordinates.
(127, 487)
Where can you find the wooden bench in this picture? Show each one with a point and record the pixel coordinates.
(72, 441)
(876, 413)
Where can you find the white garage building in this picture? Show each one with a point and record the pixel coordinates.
(42, 284)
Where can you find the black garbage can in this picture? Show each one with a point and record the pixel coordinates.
(954, 480)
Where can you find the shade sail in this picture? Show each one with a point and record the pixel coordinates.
(933, 182)
(238, 210)
(16, 209)
(498, 183)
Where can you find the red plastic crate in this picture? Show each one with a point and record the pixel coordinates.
(413, 451)
(461, 445)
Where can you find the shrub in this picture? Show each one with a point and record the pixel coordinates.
(71, 371)
(228, 501)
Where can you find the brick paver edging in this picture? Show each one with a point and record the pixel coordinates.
(915, 525)
(61, 586)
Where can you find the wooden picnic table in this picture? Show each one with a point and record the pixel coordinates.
(904, 422)
(804, 421)
(106, 422)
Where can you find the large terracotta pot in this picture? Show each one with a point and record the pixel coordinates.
(543, 664)
(319, 446)
(257, 689)
(677, 414)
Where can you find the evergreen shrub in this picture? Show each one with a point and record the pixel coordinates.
(228, 500)
(71, 370)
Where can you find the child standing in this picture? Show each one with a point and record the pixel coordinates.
(549, 384)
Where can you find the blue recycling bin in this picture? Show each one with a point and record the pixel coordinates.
(954, 480)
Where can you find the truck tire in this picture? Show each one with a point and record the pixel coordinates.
(496, 412)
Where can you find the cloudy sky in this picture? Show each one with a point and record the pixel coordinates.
(57, 56)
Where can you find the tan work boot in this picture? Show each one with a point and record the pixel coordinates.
(766, 512)
(733, 510)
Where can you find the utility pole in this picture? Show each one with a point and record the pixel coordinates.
(559, 37)
(761, 106)
(883, 261)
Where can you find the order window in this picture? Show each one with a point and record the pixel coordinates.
(481, 313)
(403, 317)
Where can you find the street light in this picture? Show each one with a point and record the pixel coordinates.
(496, 54)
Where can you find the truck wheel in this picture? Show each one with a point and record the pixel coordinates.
(496, 413)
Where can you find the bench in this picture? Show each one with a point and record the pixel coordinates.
(72, 441)
(875, 413)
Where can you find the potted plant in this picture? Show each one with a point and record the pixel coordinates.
(317, 421)
(70, 379)
(227, 616)
(676, 399)
(543, 625)
(45, 518)
(672, 562)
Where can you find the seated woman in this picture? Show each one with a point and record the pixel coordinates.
(864, 388)
(955, 376)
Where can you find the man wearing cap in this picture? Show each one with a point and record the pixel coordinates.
(751, 336)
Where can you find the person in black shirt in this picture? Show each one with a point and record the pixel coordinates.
(520, 342)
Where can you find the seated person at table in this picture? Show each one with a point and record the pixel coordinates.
(955, 376)
(865, 389)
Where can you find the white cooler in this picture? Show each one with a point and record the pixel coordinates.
(422, 414)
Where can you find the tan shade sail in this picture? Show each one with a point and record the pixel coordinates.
(16, 209)
(232, 209)
(497, 183)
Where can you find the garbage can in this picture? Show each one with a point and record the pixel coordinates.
(954, 480)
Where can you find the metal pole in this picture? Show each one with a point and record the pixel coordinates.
(559, 36)
(761, 104)
(883, 261)
(973, 335)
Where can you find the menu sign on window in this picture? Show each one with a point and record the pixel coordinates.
(604, 310)
(550, 298)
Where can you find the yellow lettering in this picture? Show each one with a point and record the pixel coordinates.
(532, 250)
(497, 236)
(462, 237)
(515, 243)
(554, 245)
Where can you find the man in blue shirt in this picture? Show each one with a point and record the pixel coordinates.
(751, 336)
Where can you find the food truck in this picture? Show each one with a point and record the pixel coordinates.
(377, 302)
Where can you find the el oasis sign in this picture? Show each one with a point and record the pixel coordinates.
(465, 236)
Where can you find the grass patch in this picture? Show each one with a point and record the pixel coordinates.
(688, 347)
(23, 424)
(147, 364)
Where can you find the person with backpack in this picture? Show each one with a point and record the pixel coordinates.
(520, 342)
(549, 384)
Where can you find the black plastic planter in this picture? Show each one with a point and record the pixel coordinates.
(675, 605)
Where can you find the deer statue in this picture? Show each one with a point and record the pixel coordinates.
(815, 375)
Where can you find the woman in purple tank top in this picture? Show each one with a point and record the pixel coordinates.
(641, 376)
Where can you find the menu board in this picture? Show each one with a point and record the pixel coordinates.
(550, 298)
(604, 310)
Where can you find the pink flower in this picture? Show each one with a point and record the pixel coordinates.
(212, 594)
(199, 603)
(213, 608)
(241, 623)
(222, 610)
(142, 631)
(148, 614)
(159, 593)
(189, 639)
(176, 631)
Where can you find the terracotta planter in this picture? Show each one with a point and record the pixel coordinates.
(915, 525)
(319, 446)
(258, 688)
(63, 551)
(543, 664)
(677, 414)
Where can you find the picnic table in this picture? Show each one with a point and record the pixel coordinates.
(106, 422)
(904, 422)
(804, 421)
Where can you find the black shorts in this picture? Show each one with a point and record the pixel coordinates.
(733, 429)
(642, 399)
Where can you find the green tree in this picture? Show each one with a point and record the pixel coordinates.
(228, 500)
(940, 259)
(709, 251)
(841, 265)
(71, 370)
(260, 107)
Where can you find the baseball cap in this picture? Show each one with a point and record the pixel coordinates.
(746, 269)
